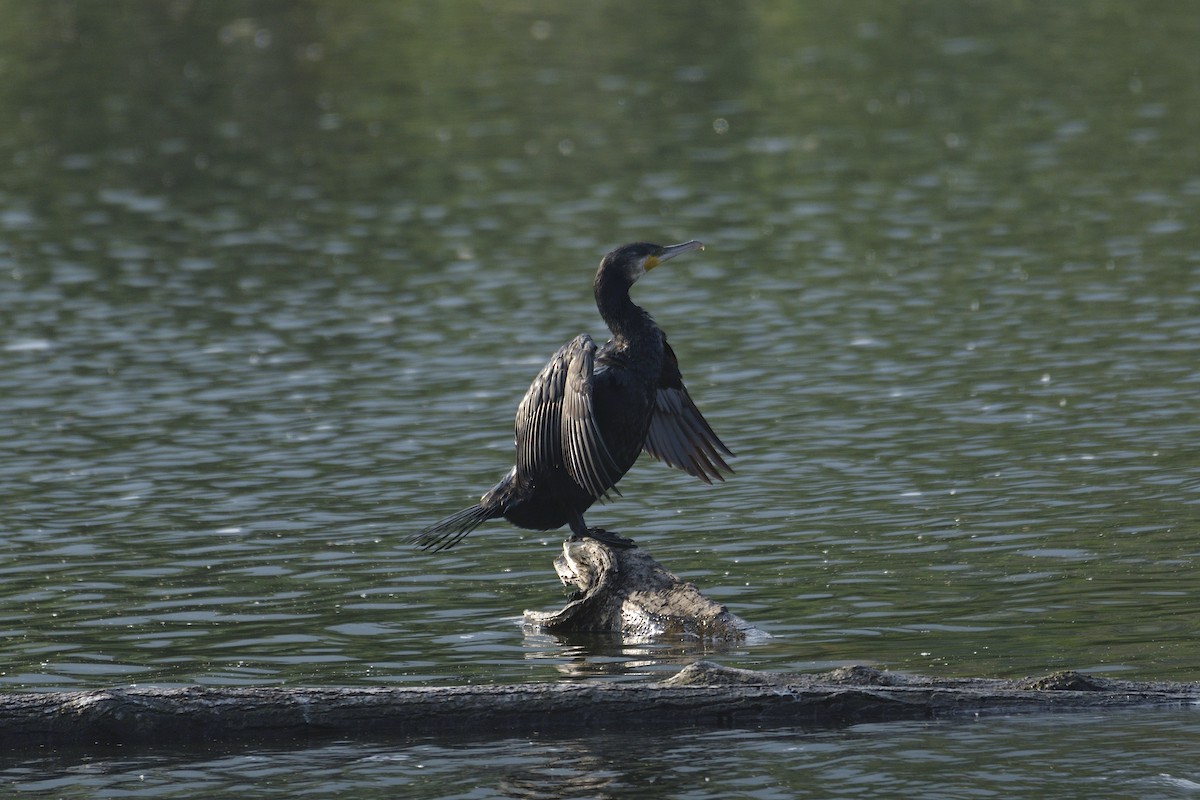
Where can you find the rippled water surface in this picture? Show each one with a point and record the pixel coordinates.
(273, 280)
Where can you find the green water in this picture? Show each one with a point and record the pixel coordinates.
(273, 278)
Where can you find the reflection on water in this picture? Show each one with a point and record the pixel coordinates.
(272, 281)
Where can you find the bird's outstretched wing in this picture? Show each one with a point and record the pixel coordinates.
(556, 422)
(679, 435)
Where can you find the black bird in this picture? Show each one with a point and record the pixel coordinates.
(591, 411)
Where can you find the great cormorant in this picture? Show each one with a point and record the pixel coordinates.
(591, 411)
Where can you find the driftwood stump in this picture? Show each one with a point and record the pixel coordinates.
(626, 592)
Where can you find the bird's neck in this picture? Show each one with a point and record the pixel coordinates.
(629, 323)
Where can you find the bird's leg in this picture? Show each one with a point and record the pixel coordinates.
(580, 530)
(611, 539)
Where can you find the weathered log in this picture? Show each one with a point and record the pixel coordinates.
(701, 695)
(626, 592)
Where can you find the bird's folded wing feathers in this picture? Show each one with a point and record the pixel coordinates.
(679, 436)
(539, 417)
(584, 452)
(556, 422)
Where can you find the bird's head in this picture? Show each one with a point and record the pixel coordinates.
(631, 261)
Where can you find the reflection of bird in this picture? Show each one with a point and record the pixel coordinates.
(591, 411)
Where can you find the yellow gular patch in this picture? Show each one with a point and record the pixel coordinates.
(650, 263)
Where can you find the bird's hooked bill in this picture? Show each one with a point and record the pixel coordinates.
(671, 250)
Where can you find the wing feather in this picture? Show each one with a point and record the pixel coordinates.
(679, 434)
(556, 424)
(587, 457)
(538, 421)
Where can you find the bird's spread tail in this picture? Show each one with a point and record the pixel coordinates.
(450, 531)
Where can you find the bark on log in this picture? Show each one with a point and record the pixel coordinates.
(701, 695)
(626, 592)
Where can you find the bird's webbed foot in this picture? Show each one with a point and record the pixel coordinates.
(606, 537)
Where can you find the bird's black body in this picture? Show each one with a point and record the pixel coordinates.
(591, 411)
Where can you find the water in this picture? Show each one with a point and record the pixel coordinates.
(273, 281)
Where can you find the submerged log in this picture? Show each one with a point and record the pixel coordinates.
(626, 592)
(702, 694)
